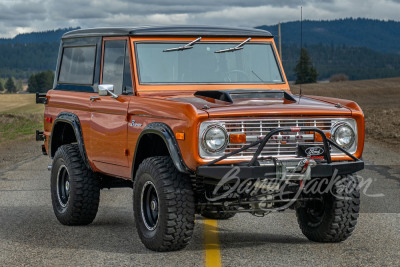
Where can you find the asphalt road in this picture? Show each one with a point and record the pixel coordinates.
(31, 235)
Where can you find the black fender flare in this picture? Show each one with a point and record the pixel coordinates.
(73, 120)
(167, 135)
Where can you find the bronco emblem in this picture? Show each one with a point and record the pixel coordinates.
(314, 151)
(135, 124)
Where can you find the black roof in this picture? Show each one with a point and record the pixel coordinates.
(169, 31)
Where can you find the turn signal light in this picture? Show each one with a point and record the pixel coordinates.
(180, 136)
(318, 138)
(237, 138)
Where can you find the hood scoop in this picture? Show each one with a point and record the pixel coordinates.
(244, 94)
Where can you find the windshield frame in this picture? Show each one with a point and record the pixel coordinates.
(270, 43)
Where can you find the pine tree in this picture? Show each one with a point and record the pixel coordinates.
(10, 86)
(32, 84)
(305, 71)
(41, 82)
(1, 86)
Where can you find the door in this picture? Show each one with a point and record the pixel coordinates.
(109, 115)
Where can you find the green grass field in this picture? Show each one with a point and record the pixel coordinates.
(20, 116)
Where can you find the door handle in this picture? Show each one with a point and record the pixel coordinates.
(94, 98)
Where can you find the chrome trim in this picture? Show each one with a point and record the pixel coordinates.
(203, 141)
(107, 89)
(302, 137)
(353, 125)
(282, 145)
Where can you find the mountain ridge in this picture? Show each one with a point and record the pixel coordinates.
(379, 35)
(359, 48)
(49, 36)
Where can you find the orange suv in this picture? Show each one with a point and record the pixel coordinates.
(197, 120)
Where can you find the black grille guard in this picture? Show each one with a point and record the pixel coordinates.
(252, 169)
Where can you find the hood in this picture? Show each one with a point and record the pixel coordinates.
(226, 103)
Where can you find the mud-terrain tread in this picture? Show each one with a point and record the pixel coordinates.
(340, 220)
(85, 188)
(176, 190)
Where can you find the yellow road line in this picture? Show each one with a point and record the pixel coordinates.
(211, 243)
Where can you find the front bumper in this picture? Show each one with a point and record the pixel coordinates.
(253, 169)
(321, 170)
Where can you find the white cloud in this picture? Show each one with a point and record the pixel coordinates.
(18, 16)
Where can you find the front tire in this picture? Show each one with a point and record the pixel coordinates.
(163, 205)
(334, 217)
(75, 191)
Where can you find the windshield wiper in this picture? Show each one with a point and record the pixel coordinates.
(238, 47)
(186, 46)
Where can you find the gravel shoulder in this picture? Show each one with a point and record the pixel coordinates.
(16, 151)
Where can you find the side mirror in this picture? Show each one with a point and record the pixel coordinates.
(107, 89)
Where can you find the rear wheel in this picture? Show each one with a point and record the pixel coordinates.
(332, 217)
(75, 191)
(163, 205)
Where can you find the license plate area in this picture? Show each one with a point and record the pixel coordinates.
(311, 151)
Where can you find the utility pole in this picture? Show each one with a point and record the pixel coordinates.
(280, 40)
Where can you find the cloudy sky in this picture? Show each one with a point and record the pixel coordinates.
(18, 16)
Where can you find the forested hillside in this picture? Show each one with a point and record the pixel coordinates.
(379, 35)
(359, 48)
(29, 53)
(37, 37)
(356, 62)
(21, 60)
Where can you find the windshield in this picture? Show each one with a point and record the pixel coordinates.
(204, 63)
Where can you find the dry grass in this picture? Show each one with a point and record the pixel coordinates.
(20, 116)
(19, 103)
(379, 99)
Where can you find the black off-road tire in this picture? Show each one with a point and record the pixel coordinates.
(220, 215)
(169, 226)
(338, 213)
(79, 206)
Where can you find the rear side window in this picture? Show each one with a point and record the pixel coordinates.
(77, 65)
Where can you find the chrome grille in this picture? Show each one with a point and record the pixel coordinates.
(284, 144)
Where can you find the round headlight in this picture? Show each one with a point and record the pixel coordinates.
(343, 135)
(215, 138)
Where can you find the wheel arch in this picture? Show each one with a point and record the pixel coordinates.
(67, 130)
(157, 139)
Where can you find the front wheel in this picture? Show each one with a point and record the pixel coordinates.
(163, 205)
(332, 216)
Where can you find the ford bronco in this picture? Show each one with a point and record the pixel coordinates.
(197, 120)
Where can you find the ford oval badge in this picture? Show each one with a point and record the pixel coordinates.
(314, 151)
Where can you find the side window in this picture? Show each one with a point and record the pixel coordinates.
(77, 65)
(114, 68)
(127, 72)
